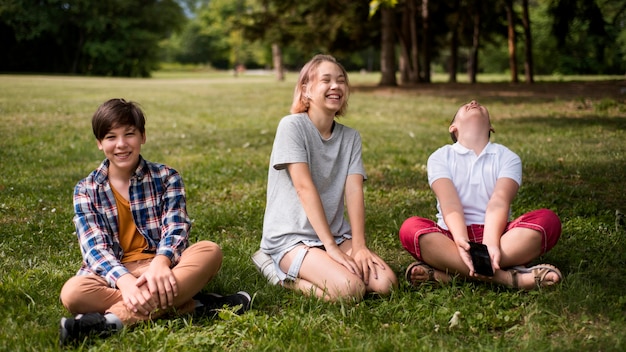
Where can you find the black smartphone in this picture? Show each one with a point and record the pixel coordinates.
(481, 259)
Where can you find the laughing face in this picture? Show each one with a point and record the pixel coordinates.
(328, 89)
(122, 146)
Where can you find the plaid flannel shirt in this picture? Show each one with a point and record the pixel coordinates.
(157, 202)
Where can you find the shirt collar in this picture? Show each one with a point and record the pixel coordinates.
(102, 173)
(460, 149)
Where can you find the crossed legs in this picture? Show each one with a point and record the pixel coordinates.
(91, 293)
(525, 239)
(519, 246)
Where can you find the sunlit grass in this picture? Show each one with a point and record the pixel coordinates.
(217, 130)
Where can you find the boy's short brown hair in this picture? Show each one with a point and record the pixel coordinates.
(114, 113)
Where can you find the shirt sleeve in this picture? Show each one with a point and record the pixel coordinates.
(97, 247)
(438, 166)
(289, 146)
(356, 158)
(511, 166)
(176, 224)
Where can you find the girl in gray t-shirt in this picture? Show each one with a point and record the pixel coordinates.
(315, 167)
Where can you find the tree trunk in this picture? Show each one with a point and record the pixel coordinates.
(409, 49)
(454, 46)
(277, 60)
(387, 48)
(403, 66)
(426, 41)
(415, 59)
(472, 64)
(528, 46)
(510, 17)
(78, 52)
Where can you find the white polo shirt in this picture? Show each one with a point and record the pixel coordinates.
(473, 176)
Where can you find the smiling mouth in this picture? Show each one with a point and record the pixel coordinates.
(123, 155)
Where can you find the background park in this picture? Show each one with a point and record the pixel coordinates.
(551, 73)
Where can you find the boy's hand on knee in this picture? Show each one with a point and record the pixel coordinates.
(137, 298)
(160, 282)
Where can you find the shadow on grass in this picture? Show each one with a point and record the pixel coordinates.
(511, 92)
(585, 188)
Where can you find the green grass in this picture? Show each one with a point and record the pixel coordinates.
(217, 130)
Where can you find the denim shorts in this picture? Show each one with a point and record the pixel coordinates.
(295, 266)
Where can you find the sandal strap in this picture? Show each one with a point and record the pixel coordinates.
(429, 270)
(541, 271)
(514, 283)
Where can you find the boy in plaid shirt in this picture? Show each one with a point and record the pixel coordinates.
(133, 230)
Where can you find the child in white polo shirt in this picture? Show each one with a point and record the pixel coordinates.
(475, 182)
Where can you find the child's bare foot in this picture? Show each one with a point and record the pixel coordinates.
(538, 276)
(419, 272)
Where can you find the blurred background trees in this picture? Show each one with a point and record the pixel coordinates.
(110, 38)
(406, 40)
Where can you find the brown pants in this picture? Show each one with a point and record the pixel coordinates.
(91, 293)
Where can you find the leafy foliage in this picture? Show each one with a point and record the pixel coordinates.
(105, 38)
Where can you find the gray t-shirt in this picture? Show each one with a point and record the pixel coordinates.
(330, 160)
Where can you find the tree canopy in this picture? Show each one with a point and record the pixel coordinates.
(415, 37)
(93, 37)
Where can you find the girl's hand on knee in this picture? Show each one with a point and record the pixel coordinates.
(342, 258)
(369, 263)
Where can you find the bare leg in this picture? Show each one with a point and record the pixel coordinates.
(518, 248)
(441, 253)
(306, 287)
(324, 277)
(386, 280)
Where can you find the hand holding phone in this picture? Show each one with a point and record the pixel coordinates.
(481, 259)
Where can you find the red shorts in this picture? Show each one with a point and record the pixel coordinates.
(543, 220)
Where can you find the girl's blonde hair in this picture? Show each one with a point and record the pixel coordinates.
(307, 74)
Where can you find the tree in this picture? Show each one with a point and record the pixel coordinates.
(454, 20)
(472, 65)
(112, 38)
(426, 40)
(528, 44)
(387, 43)
(580, 29)
(409, 44)
(510, 19)
(339, 27)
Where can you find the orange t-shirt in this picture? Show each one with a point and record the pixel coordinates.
(131, 241)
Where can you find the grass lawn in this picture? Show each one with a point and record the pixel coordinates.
(217, 131)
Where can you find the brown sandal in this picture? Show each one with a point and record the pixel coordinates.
(429, 270)
(539, 271)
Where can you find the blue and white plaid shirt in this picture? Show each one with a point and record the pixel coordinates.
(157, 202)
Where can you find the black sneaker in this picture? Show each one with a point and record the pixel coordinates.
(83, 325)
(212, 303)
